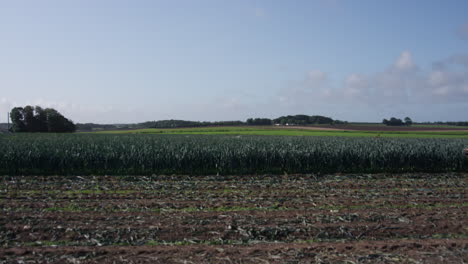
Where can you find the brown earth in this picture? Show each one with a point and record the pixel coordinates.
(379, 128)
(385, 218)
(406, 251)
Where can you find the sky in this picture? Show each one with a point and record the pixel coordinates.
(125, 61)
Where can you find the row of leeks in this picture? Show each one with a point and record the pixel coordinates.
(144, 154)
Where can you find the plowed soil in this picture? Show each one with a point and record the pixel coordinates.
(382, 128)
(410, 218)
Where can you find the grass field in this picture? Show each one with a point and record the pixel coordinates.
(273, 131)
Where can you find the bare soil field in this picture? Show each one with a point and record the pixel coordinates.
(362, 218)
(383, 128)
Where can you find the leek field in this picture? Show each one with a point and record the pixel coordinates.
(147, 154)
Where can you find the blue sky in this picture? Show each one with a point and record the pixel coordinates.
(113, 61)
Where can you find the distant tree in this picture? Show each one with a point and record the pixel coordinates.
(41, 119)
(57, 123)
(339, 122)
(91, 126)
(303, 120)
(396, 121)
(173, 124)
(17, 120)
(36, 119)
(300, 122)
(323, 120)
(393, 122)
(259, 121)
(29, 119)
(408, 121)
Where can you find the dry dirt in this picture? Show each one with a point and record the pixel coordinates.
(379, 128)
(385, 218)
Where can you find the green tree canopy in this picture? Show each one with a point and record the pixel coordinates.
(393, 122)
(408, 121)
(36, 119)
(303, 120)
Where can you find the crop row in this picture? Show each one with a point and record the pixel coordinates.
(83, 154)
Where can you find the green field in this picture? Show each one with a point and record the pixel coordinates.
(143, 154)
(273, 131)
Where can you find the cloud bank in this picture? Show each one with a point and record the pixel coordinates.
(402, 83)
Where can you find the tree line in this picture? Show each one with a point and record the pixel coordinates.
(157, 124)
(183, 123)
(393, 121)
(172, 123)
(37, 119)
(294, 120)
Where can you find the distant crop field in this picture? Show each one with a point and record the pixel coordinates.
(439, 126)
(413, 125)
(143, 154)
(292, 131)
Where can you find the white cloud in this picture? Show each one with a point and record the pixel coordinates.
(404, 62)
(437, 78)
(355, 79)
(356, 85)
